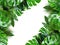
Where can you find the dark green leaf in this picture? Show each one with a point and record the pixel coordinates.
(12, 22)
(46, 19)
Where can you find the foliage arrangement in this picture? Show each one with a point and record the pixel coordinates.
(9, 10)
(49, 34)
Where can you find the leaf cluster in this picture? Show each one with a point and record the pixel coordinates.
(49, 34)
(10, 9)
(9, 12)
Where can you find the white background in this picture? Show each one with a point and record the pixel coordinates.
(28, 25)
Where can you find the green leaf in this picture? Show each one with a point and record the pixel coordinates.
(46, 19)
(4, 19)
(32, 2)
(38, 1)
(3, 38)
(12, 22)
(27, 44)
(8, 32)
(9, 10)
(18, 12)
(54, 20)
(52, 39)
(48, 7)
(32, 42)
(55, 4)
(12, 9)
